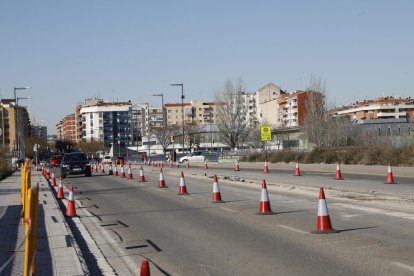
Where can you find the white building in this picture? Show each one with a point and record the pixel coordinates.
(109, 122)
(267, 105)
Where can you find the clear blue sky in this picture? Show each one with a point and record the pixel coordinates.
(68, 50)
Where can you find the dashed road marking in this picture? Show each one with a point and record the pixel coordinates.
(401, 265)
(228, 210)
(292, 229)
(186, 197)
(351, 215)
(377, 211)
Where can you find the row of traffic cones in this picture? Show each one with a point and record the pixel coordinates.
(70, 208)
(323, 222)
(338, 174)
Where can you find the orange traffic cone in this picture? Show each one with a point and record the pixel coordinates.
(60, 194)
(129, 172)
(70, 209)
(183, 189)
(237, 166)
(187, 164)
(141, 175)
(162, 181)
(122, 171)
(338, 171)
(264, 201)
(390, 177)
(53, 182)
(115, 170)
(216, 191)
(323, 223)
(297, 170)
(266, 167)
(145, 269)
(177, 164)
(48, 173)
(205, 164)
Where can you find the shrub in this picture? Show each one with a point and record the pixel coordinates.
(5, 169)
(374, 155)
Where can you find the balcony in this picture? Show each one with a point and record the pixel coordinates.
(392, 114)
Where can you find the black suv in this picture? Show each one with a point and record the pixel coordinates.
(75, 163)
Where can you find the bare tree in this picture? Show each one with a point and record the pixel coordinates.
(231, 114)
(320, 128)
(315, 124)
(29, 144)
(193, 131)
(90, 147)
(163, 134)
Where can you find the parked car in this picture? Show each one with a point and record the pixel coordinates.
(199, 156)
(55, 160)
(75, 163)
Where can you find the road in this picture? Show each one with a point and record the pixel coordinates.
(188, 235)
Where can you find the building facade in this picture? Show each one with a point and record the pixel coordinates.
(66, 129)
(15, 127)
(109, 122)
(380, 108)
(293, 107)
(196, 111)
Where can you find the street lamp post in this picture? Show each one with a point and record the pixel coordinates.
(211, 134)
(119, 144)
(182, 105)
(16, 123)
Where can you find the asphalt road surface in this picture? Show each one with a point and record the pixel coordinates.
(188, 235)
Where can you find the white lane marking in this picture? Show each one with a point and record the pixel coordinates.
(351, 215)
(407, 267)
(199, 196)
(186, 197)
(292, 229)
(377, 211)
(228, 210)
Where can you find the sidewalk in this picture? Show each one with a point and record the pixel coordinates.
(56, 252)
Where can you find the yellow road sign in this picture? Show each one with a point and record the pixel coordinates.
(266, 133)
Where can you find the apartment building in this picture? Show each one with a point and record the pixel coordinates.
(109, 122)
(267, 105)
(66, 129)
(196, 111)
(293, 109)
(15, 127)
(152, 116)
(249, 102)
(380, 108)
